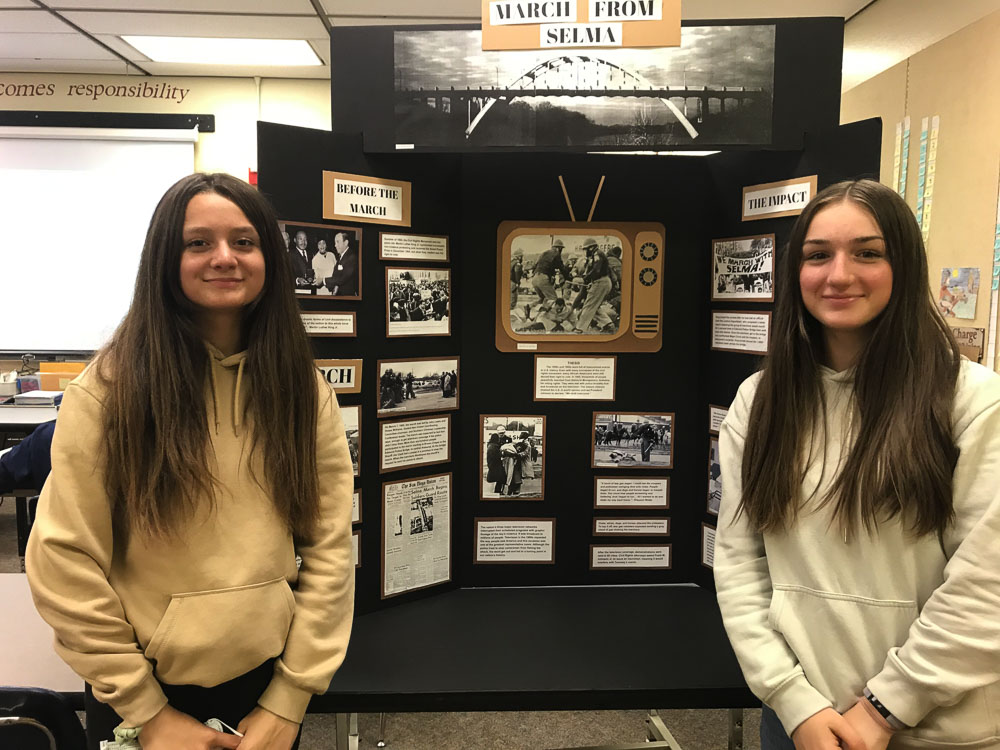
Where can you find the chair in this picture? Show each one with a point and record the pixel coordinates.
(38, 719)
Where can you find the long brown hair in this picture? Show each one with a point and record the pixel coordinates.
(154, 368)
(903, 454)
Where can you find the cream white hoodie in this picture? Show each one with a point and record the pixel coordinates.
(217, 601)
(814, 619)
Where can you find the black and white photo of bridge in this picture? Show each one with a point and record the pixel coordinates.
(715, 89)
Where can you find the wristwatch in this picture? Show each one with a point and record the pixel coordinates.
(884, 712)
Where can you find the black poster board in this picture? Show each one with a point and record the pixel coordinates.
(466, 198)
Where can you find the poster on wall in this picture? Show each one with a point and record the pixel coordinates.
(417, 385)
(739, 331)
(356, 507)
(325, 259)
(714, 477)
(417, 302)
(450, 93)
(515, 541)
(632, 440)
(343, 375)
(959, 292)
(416, 534)
(511, 456)
(971, 341)
(743, 269)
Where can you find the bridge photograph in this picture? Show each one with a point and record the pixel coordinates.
(715, 89)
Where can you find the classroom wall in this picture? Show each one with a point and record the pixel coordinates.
(957, 79)
(237, 104)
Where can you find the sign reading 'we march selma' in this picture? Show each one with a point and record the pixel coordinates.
(542, 24)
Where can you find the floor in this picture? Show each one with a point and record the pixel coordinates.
(542, 730)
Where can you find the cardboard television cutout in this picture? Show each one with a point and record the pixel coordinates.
(579, 286)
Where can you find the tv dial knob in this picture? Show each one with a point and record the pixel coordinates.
(647, 276)
(649, 251)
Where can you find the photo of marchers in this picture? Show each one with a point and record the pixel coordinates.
(565, 284)
(417, 385)
(352, 427)
(633, 440)
(742, 268)
(511, 457)
(421, 515)
(325, 260)
(714, 477)
(418, 301)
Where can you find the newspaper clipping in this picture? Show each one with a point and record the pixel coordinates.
(515, 540)
(352, 427)
(715, 416)
(416, 533)
(743, 268)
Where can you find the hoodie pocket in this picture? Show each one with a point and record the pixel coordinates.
(840, 640)
(208, 637)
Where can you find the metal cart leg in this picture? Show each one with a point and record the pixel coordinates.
(343, 738)
(736, 729)
(656, 730)
(380, 742)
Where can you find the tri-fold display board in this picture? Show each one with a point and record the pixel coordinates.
(553, 437)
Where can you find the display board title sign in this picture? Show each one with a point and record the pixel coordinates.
(774, 199)
(358, 197)
(542, 24)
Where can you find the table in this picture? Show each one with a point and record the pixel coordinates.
(540, 649)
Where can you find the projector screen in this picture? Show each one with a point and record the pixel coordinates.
(74, 207)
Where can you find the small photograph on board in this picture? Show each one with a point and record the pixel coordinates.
(325, 259)
(417, 385)
(959, 291)
(565, 284)
(714, 477)
(352, 426)
(418, 301)
(633, 440)
(743, 268)
(510, 454)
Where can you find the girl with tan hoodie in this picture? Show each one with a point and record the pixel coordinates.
(192, 461)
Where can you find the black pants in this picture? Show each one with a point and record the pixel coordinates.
(230, 702)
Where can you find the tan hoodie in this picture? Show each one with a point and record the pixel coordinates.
(217, 601)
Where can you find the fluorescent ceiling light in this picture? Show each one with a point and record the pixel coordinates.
(225, 51)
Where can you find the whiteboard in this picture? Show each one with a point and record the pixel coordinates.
(74, 207)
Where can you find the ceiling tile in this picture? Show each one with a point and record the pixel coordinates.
(378, 9)
(18, 4)
(47, 46)
(720, 9)
(238, 71)
(55, 65)
(31, 20)
(189, 24)
(287, 7)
